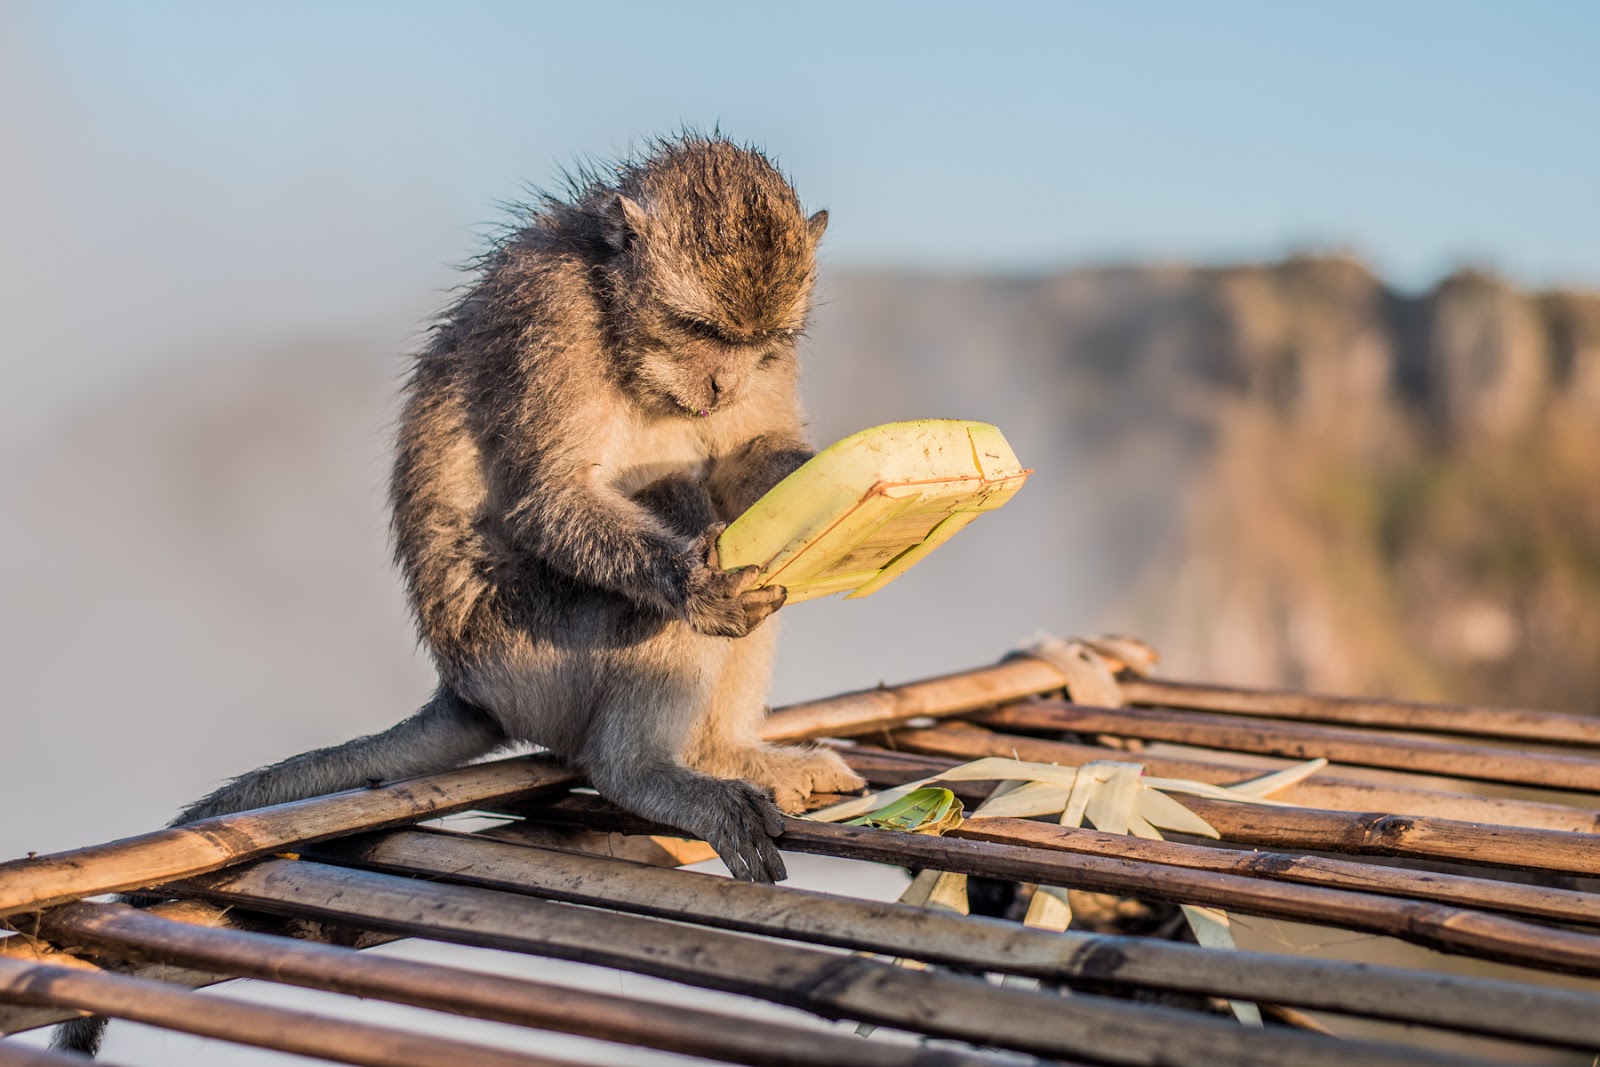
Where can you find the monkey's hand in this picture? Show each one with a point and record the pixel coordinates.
(721, 603)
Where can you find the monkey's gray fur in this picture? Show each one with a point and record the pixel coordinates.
(619, 382)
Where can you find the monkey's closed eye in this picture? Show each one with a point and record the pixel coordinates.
(703, 330)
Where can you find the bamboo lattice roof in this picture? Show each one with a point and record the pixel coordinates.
(1473, 831)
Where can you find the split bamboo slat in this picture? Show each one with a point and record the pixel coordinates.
(307, 1034)
(1537, 901)
(1508, 723)
(823, 983)
(1477, 1005)
(1325, 789)
(1437, 926)
(1362, 748)
(28, 948)
(130, 934)
(1357, 832)
(870, 710)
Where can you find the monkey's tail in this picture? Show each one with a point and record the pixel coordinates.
(444, 734)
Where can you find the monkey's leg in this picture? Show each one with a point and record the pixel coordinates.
(726, 741)
(444, 734)
(633, 753)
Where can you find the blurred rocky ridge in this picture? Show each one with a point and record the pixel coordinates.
(1291, 473)
(1284, 473)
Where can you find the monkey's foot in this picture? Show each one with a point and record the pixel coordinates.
(739, 821)
(794, 772)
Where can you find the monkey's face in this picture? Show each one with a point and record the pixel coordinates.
(711, 314)
(711, 275)
(695, 367)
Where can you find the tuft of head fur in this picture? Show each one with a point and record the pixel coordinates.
(706, 259)
(717, 233)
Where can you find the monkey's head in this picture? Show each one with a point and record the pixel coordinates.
(711, 269)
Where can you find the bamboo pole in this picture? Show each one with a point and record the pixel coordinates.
(207, 845)
(1438, 926)
(298, 1032)
(129, 934)
(1362, 833)
(1509, 723)
(1529, 901)
(658, 851)
(823, 983)
(166, 855)
(1499, 1008)
(852, 714)
(1365, 748)
(1322, 790)
(30, 948)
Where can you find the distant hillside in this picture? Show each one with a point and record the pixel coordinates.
(1290, 473)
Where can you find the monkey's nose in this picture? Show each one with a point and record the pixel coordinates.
(716, 389)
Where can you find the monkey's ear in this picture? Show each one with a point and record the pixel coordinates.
(625, 220)
(816, 225)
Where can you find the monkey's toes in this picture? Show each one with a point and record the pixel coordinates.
(790, 801)
(750, 856)
(831, 774)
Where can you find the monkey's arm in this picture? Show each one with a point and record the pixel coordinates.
(604, 539)
(600, 537)
(740, 479)
(680, 502)
(567, 513)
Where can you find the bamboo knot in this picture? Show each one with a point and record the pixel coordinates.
(1382, 829)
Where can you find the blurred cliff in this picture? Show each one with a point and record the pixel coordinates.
(1294, 474)
(1282, 473)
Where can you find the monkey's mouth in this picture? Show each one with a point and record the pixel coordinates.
(697, 408)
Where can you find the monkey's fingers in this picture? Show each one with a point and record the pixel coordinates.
(759, 603)
(708, 545)
(742, 579)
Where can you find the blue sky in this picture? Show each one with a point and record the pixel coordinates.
(235, 168)
(969, 135)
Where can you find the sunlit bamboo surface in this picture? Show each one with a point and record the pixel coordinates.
(1431, 825)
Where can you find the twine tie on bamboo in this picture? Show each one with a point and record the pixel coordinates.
(1089, 665)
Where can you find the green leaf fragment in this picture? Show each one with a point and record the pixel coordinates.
(923, 811)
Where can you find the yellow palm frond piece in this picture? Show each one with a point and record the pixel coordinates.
(862, 511)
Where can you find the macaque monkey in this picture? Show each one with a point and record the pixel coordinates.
(618, 384)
